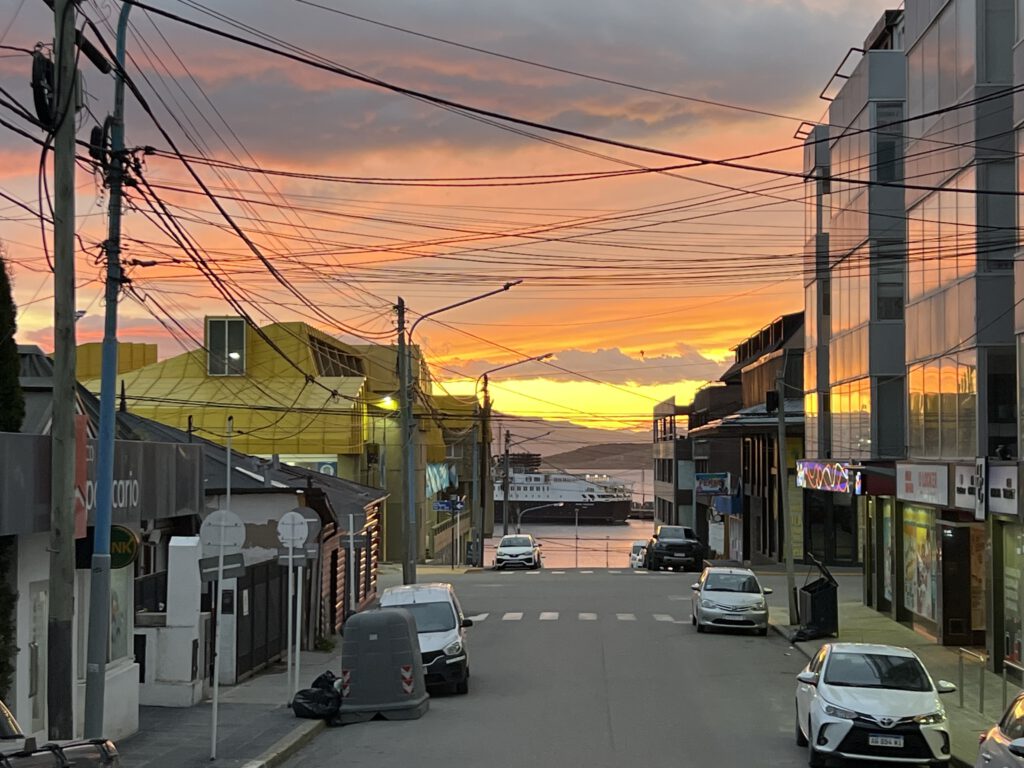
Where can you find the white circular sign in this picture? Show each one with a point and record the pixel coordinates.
(222, 531)
(292, 529)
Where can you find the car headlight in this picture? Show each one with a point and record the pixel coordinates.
(846, 714)
(501, 553)
(705, 603)
(453, 649)
(931, 719)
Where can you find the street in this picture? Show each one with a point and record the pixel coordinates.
(588, 546)
(594, 668)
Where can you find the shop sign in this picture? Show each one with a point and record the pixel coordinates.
(834, 476)
(124, 546)
(1002, 490)
(712, 483)
(927, 483)
(964, 486)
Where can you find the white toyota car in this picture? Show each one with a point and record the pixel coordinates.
(871, 702)
(517, 550)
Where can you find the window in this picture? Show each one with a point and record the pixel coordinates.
(334, 361)
(225, 344)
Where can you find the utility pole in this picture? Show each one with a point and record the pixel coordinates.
(408, 455)
(99, 586)
(476, 510)
(61, 602)
(505, 486)
(783, 482)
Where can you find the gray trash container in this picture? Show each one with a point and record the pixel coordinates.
(382, 670)
(819, 604)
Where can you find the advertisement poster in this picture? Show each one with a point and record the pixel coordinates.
(887, 552)
(920, 562)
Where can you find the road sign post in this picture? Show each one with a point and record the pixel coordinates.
(292, 532)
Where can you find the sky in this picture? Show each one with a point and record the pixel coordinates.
(637, 282)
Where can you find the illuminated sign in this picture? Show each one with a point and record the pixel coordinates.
(831, 476)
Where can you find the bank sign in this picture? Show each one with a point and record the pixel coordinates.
(926, 483)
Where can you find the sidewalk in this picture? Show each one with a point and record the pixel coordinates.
(255, 728)
(861, 624)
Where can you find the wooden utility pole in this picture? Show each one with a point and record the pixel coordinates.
(783, 482)
(61, 598)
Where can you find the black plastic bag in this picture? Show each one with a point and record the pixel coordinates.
(325, 681)
(316, 703)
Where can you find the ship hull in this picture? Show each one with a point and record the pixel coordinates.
(590, 513)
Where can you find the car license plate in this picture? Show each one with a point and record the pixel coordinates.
(877, 740)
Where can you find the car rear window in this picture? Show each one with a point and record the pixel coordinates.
(430, 617)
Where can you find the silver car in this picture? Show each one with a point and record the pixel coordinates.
(1003, 745)
(729, 597)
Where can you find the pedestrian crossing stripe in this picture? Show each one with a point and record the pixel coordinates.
(512, 616)
(549, 616)
(662, 617)
(588, 617)
(625, 616)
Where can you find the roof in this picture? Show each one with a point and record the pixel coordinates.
(756, 417)
(251, 474)
(416, 593)
(730, 569)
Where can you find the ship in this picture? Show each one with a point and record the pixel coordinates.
(541, 495)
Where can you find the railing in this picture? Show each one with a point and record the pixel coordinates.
(981, 659)
(1016, 667)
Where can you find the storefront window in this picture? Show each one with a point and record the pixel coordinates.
(920, 556)
(887, 549)
(121, 597)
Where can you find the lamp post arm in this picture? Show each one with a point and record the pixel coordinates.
(462, 303)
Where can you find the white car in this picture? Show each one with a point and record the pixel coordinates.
(637, 553)
(517, 550)
(440, 629)
(871, 702)
(729, 597)
(1003, 745)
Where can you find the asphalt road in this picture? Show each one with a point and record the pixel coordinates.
(594, 669)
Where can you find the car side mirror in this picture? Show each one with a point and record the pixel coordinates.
(539, 544)
(944, 686)
(695, 587)
(767, 590)
(467, 622)
(808, 678)
(1016, 747)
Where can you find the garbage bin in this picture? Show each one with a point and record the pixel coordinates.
(819, 603)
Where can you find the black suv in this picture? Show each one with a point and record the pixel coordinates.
(675, 546)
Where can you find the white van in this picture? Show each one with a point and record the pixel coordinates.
(440, 625)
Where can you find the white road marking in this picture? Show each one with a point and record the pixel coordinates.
(512, 616)
(678, 597)
(614, 571)
(549, 616)
(586, 571)
(478, 617)
(588, 617)
(662, 617)
(558, 573)
(625, 616)
(640, 572)
(533, 573)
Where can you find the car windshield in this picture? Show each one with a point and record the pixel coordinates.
(637, 549)
(876, 670)
(431, 617)
(516, 541)
(732, 582)
(675, 532)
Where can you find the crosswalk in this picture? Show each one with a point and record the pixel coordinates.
(588, 572)
(521, 616)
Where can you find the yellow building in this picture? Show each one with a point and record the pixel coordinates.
(296, 392)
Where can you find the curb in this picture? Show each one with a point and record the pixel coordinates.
(288, 745)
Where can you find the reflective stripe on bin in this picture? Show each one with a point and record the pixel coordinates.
(408, 686)
(346, 682)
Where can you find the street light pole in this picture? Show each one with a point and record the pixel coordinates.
(783, 482)
(519, 515)
(405, 366)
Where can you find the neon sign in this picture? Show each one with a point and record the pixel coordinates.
(831, 476)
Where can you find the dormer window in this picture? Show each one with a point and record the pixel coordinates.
(225, 345)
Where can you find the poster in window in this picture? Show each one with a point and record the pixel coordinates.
(920, 572)
(121, 588)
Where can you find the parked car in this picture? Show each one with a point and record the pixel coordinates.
(871, 702)
(517, 550)
(637, 554)
(677, 547)
(17, 750)
(729, 597)
(441, 630)
(1003, 745)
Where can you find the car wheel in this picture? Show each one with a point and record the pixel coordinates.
(463, 688)
(693, 620)
(763, 631)
(801, 740)
(700, 627)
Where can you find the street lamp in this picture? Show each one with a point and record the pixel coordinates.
(519, 515)
(406, 396)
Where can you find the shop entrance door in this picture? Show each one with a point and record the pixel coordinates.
(956, 585)
(830, 529)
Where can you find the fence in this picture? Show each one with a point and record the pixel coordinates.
(450, 537)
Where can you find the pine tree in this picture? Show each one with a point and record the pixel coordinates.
(12, 413)
(12, 401)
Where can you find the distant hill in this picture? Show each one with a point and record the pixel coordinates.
(549, 437)
(607, 456)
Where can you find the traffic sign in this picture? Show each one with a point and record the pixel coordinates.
(299, 558)
(292, 529)
(442, 506)
(222, 530)
(234, 567)
(460, 505)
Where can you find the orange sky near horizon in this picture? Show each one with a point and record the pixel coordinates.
(638, 285)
